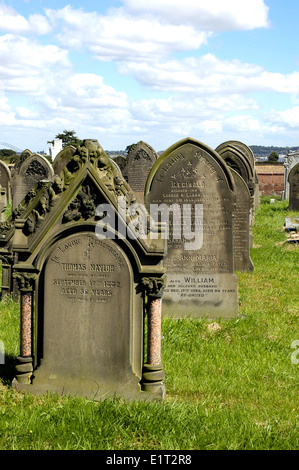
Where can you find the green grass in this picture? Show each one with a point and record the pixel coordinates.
(230, 384)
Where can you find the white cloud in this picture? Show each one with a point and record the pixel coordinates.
(211, 15)
(11, 21)
(121, 36)
(27, 66)
(287, 119)
(209, 75)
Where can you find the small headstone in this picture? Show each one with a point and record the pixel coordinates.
(5, 180)
(140, 162)
(122, 163)
(3, 203)
(241, 224)
(200, 261)
(293, 180)
(33, 169)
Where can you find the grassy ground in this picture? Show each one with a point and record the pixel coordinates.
(230, 384)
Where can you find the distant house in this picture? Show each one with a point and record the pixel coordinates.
(55, 148)
(271, 178)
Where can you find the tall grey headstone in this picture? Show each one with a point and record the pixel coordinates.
(200, 272)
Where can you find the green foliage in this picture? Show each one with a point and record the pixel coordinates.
(69, 138)
(230, 384)
(273, 157)
(8, 156)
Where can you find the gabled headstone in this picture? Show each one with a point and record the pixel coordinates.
(293, 180)
(92, 278)
(190, 176)
(141, 159)
(34, 168)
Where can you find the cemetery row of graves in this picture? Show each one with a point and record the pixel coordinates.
(95, 268)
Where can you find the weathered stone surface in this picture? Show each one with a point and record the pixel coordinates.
(293, 180)
(241, 225)
(200, 276)
(140, 162)
(89, 290)
(290, 161)
(5, 181)
(33, 169)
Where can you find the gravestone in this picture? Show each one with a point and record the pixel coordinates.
(200, 272)
(5, 181)
(290, 161)
(140, 161)
(122, 163)
(239, 157)
(293, 180)
(3, 203)
(34, 168)
(63, 158)
(241, 225)
(92, 285)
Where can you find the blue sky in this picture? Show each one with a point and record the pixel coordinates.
(122, 71)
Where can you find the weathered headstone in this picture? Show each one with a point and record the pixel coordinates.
(33, 169)
(63, 158)
(122, 162)
(92, 286)
(240, 158)
(290, 161)
(242, 233)
(200, 261)
(5, 181)
(3, 203)
(293, 180)
(141, 159)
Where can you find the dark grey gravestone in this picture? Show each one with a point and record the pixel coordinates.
(200, 280)
(33, 169)
(293, 180)
(241, 224)
(140, 162)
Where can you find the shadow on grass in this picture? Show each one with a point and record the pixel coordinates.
(7, 370)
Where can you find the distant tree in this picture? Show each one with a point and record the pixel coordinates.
(8, 155)
(273, 157)
(68, 138)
